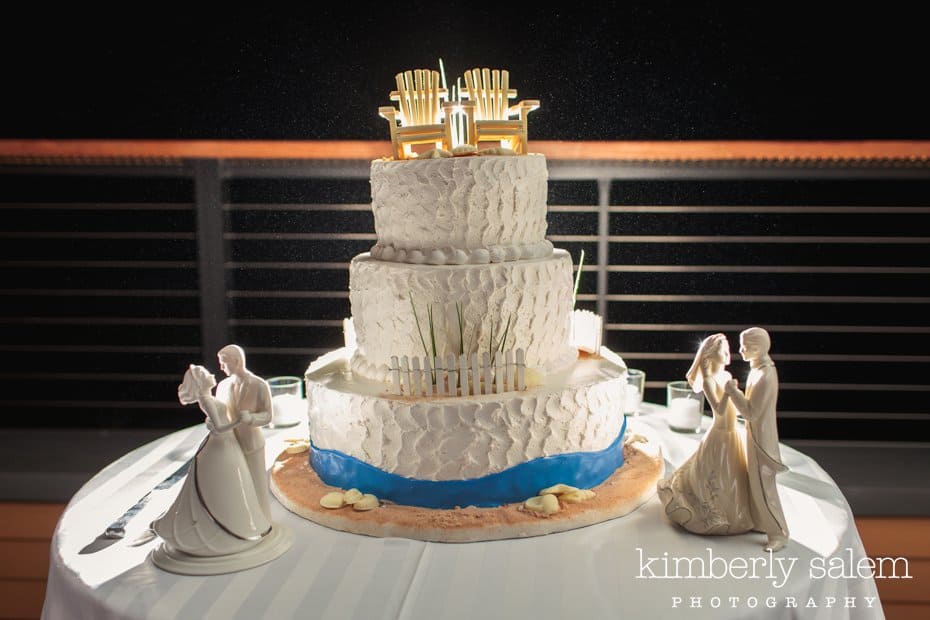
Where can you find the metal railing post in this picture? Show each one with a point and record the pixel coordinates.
(208, 202)
(603, 234)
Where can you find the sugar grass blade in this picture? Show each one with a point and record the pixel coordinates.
(493, 348)
(442, 73)
(432, 332)
(504, 337)
(458, 313)
(417, 319)
(577, 279)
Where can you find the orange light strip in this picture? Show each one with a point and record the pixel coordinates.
(705, 150)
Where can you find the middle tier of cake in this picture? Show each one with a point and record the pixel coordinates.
(400, 309)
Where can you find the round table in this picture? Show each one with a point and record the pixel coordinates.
(636, 566)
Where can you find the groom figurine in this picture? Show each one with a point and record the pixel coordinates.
(764, 459)
(248, 398)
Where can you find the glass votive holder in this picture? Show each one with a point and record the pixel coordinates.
(287, 404)
(685, 407)
(633, 391)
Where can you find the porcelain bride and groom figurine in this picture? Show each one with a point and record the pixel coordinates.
(221, 520)
(728, 486)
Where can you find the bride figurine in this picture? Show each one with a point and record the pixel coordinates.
(218, 523)
(709, 493)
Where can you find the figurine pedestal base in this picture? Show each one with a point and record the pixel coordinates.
(270, 548)
(299, 489)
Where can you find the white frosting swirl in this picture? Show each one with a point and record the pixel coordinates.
(457, 256)
(534, 296)
(577, 410)
(427, 209)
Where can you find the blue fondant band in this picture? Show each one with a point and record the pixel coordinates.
(516, 484)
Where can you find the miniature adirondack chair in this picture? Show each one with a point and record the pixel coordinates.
(422, 102)
(489, 112)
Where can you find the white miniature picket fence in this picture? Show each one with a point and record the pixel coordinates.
(462, 375)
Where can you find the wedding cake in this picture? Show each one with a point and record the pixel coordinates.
(460, 383)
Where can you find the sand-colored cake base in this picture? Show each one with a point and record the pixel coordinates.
(299, 489)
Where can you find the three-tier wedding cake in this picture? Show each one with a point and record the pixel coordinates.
(460, 384)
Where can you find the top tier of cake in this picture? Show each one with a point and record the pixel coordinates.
(460, 210)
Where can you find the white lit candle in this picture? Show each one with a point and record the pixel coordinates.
(632, 399)
(286, 409)
(684, 413)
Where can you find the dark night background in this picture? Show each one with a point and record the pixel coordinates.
(602, 71)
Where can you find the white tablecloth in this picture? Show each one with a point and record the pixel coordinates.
(625, 568)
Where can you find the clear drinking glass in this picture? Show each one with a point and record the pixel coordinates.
(633, 391)
(286, 401)
(685, 407)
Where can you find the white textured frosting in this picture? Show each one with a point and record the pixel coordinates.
(535, 296)
(460, 210)
(577, 410)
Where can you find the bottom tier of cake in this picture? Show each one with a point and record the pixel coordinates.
(299, 489)
(478, 450)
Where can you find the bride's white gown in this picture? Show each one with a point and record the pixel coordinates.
(709, 493)
(217, 511)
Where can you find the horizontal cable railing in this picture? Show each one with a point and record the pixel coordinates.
(123, 262)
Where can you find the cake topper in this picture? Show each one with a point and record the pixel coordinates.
(757, 405)
(479, 112)
(728, 485)
(423, 105)
(490, 118)
(221, 520)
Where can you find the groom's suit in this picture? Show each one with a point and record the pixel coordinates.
(763, 456)
(252, 394)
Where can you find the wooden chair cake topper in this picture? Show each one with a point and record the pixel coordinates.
(426, 115)
(423, 103)
(489, 115)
